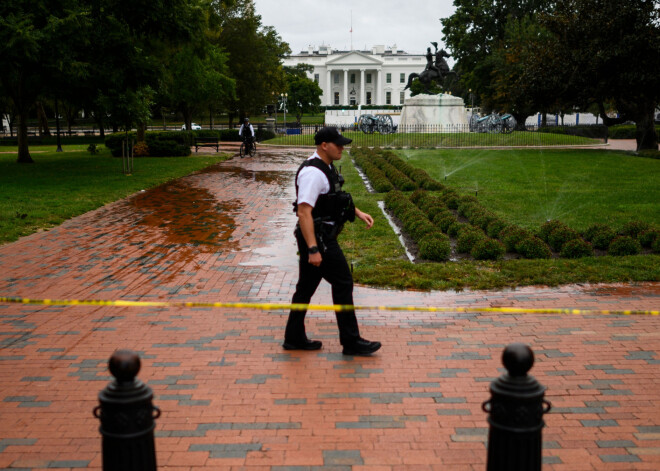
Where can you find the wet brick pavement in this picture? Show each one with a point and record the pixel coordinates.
(231, 398)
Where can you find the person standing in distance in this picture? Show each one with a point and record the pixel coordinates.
(322, 210)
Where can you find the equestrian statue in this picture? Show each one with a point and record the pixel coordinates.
(434, 71)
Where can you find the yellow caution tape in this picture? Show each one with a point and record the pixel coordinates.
(320, 307)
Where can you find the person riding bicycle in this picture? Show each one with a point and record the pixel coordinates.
(247, 132)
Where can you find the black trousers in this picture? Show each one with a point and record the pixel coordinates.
(334, 269)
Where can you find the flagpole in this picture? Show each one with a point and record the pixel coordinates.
(351, 30)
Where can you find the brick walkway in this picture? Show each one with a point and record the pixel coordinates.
(231, 398)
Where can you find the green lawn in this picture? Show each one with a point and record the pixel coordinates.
(589, 186)
(58, 186)
(447, 139)
(528, 187)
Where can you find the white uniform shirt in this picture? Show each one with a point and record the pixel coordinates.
(312, 183)
(242, 129)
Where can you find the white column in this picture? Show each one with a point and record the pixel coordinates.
(380, 87)
(361, 87)
(346, 87)
(328, 88)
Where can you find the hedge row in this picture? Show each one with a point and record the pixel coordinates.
(626, 131)
(490, 236)
(175, 143)
(433, 244)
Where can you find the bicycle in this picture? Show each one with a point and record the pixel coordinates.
(248, 147)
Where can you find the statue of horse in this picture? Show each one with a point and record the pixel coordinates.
(430, 75)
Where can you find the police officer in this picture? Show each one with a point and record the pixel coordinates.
(322, 210)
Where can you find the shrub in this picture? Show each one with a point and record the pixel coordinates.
(92, 149)
(655, 246)
(167, 148)
(444, 220)
(511, 235)
(488, 249)
(467, 237)
(634, 228)
(594, 229)
(624, 245)
(495, 228)
(141, 149)
(451, 198)
(548, 227)
(602, 239)
(435, 246)
(560, 236)
(647, 238)
(533, 247)
(577, 248)
(453, 228)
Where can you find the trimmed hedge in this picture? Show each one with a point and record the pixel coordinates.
(624, 245)
(626, 131)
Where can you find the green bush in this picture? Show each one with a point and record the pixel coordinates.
(435, 246)
(453, 228)
(634, 228)
(451, 198)
(624, 245)
(443, 221)
(511, 235)
(548, 227)
(655, 246)
(533, 247)
(601, 240)
(594, 131)
(495, 227)
(467, 237)
(488, 249)
(594, 229)
(577, 248)
(647, 238)
(626, 131)
(560, 236)
(167, 148)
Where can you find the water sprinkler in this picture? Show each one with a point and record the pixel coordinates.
(445, 177)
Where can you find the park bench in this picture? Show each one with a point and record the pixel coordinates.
(207, 142)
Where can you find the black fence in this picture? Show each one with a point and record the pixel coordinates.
(427, 136)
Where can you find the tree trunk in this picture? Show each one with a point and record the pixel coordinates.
(607, 121)
(23, 149)
(645, 134)
(141, 132)
(43, 120)
(210, 118)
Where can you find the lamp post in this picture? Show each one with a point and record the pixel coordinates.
(57, 121)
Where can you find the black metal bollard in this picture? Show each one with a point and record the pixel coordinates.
(516, 408)
(127, 417)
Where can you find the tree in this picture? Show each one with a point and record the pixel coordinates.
(198, 77)
(304, 94)
(476, 30)
(610, 51)
(39, 44)
(255, 53)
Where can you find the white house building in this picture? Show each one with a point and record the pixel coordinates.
(374, 77)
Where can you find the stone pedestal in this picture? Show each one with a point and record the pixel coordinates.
(270, 124)
(436, 110)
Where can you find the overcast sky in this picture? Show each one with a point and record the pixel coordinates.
(410, 24)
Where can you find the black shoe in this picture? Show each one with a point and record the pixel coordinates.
(304, 345)
(361, 347)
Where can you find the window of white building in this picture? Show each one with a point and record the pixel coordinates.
(388, 78)
(402, 97)
(336, 78)
(402, 78)
(316, 78)
(388, 98)
(368, 78)
(336, 98)
(368, 98)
